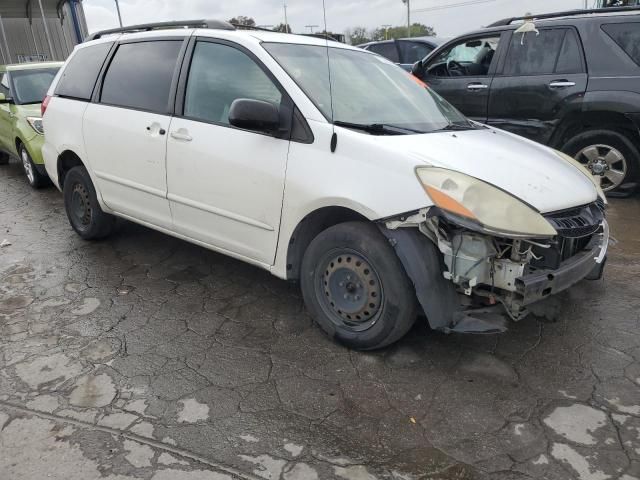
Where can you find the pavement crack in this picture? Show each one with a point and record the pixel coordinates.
(137, 438)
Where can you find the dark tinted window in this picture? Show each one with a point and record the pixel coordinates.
(627, 36)
(387, 50)
(80, 74)
(220, 74)
(531, 54)
(140, 75)
(570, 58)
(31, 85)
(413, 51)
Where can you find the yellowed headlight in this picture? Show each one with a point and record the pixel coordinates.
(496, 211)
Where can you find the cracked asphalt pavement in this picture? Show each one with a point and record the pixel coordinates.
(145, 357)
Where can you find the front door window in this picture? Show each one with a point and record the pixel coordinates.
(471, 58)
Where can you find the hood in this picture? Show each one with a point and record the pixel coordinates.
(527, 170)
(30, 110)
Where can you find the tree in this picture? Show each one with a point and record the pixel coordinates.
(282, 28)
(242, 20)
(359, 35)
(417, 30)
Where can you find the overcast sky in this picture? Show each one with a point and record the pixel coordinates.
(341, 14)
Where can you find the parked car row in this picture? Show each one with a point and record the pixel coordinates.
(326, 165)
(571, 80)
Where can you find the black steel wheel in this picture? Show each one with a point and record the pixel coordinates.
(356, 288)
(82, 207)
(353, 293)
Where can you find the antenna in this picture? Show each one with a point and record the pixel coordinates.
(334, 137)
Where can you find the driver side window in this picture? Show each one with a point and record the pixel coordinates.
(470, 58)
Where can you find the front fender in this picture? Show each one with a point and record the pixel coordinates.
(423, 263)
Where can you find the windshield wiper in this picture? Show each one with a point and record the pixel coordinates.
(377, 128)
(458, 127)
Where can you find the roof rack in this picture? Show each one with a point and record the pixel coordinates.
(147, 27)
(568, 13)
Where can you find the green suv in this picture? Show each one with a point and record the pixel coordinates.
(22, 89)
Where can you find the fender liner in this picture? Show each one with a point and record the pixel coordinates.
(424, 266)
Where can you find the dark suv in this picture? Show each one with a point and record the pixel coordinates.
(569, 80)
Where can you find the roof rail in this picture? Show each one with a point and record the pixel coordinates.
(240, 26)
(147, 27)
(568, 13)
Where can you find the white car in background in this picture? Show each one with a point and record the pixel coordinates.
(371, 191)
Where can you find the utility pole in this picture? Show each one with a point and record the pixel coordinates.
(386, 31)
(119, 16)
(286, 23)
(311, 27)
(408, 4)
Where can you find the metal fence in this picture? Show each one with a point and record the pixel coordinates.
(37, 37)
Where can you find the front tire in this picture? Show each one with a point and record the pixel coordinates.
(608, 154)
(34, 177)
(355, 287)
(82, 207)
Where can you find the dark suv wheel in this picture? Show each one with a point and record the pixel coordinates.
(607, 154)
(82, 207)
(4, 158)
(356, 288)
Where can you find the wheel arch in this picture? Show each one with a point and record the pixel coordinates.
(576, 123)
(309, 227)
(66, 161)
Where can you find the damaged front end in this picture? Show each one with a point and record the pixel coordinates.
(466, 277)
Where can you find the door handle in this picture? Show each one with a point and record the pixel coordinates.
(562, 84)
(182, 135)
(477, 86)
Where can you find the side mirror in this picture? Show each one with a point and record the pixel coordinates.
(418, 69)
(255, 115)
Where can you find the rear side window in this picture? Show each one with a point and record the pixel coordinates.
(387, 50)
(627, 36)
(80, 74)
(570, 59)
(140, 75)
(533, 54)
(413, 51)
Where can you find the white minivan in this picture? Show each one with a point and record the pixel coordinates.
(324, 164)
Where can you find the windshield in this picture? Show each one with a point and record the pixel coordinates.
(367, 89)
(30, 86)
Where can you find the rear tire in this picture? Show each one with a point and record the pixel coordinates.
(606, 153)
(82, 207)
(34, 177)
(355, 287)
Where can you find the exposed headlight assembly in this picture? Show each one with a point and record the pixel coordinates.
(594, 179)
(482, 206)
(36, 124)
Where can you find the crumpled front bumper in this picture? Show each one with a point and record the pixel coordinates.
(540, 284)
